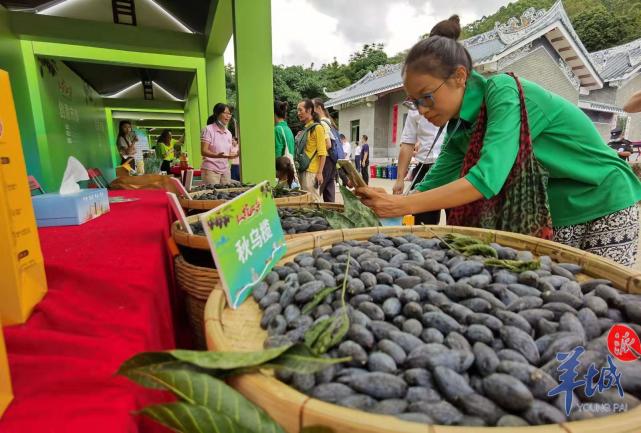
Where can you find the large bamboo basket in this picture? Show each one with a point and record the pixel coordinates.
(239, 330)
(198, 206)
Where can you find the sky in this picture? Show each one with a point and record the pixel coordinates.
(316, 31)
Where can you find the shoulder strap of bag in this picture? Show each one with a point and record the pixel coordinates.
(282, 132)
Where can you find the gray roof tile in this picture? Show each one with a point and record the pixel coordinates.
(483, 48)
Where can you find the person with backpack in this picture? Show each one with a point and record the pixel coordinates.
(283, 136)
(311, 150)
(334, 152)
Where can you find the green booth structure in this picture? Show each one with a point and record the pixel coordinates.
(78, 67)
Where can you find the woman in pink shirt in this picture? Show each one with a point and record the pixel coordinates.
(216, 147)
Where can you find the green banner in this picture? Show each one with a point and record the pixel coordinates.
(246, 240)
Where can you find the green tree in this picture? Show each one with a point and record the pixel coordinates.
(599, 29)
(599, 23)
(230, 84)
(370, 57)
(335, 76)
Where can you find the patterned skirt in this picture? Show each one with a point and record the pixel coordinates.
(613, 236)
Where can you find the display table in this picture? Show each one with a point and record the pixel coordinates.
(109, 296)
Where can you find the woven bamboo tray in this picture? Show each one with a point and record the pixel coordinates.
(204, 205)
(239, 330)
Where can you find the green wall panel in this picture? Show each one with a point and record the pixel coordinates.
(74, 120)
(11, 60)
(255, 88)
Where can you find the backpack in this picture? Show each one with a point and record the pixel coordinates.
(336, 152)
(301, 160)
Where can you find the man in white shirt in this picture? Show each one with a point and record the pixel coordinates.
(418, 131)
(347, 148)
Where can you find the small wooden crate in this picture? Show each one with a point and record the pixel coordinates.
(239, 330)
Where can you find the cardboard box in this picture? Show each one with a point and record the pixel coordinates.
(70, 209)
(21, 264)
(6, 393)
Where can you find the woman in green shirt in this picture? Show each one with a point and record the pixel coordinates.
(592, 194)
(282, 134)
(166, 150)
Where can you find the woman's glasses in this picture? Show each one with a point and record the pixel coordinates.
(425, 101)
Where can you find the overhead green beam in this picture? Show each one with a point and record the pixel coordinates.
(219, 27)
(253, 48)
(143, 105)
(112, 56)
(105, 35)
(160, 127)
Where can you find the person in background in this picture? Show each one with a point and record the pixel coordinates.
(235, 163)
(165, 149)
(357, 156)
(216, 147)
(620, 145)
(418, 132)
(365, 160)
(285, 173)
(328, 187)
(347, 148)
(126, 143)
(315, 147)
(283, 135)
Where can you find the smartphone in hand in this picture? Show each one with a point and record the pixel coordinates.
(354, 176)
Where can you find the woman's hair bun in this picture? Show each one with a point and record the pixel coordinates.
(449, 28)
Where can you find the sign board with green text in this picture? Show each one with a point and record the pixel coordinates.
(246, 240)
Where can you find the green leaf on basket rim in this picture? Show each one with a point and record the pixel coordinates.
(228, 360)
(356, 211)
(188, 418)
(144, 359)
(301, 359)
(201, 389)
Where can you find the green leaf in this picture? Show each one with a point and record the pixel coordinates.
(313, 333)
(300, 359)
(514, 265)
(188, 418)
(357, 212)
(145, 358)
(228, 360)
(337, 220)
(320, 297)
(146, 375)
(201, 389)
(158, 360)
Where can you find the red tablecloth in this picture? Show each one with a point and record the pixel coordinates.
(176, 171)
(108, 299)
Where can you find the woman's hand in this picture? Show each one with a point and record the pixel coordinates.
(383, 204)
